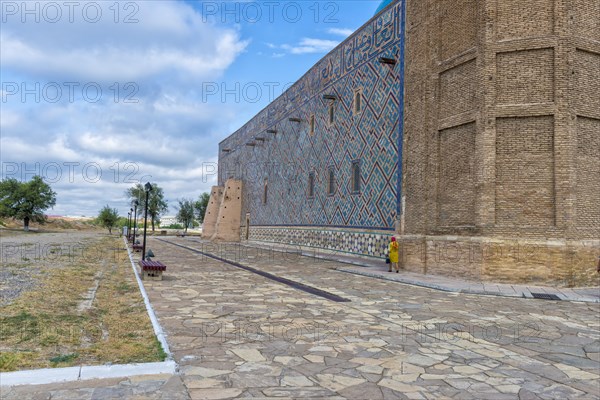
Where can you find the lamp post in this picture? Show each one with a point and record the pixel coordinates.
(128, 225)
(135, 206)
(148, 187)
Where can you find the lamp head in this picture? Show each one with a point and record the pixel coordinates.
(148, 187)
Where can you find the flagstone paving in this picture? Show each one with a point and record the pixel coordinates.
(236, 334)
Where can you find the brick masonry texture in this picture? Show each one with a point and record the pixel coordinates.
(456, 189)
(525, 77)
(525, 171)
(501, 138)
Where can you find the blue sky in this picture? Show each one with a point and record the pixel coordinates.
(97, 96)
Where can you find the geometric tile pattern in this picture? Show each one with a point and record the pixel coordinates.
(282, 161)
(374, 244)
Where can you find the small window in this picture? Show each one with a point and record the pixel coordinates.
(331, 114)
(355, 176)
(357, 100)
(265, 191)
(312, 124)
(331, 181)
(311, 185)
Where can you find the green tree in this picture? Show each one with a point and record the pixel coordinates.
(108, 218)
(26, 200)
(200, 206)
(157, 204)
(185, 213)
(122, 222)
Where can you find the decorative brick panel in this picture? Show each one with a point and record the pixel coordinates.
(458, 89)
(525, 171)
(456, 189)
(524, 18)
(588, 173)
(587, 82)
(458, 26)
(586, 18)
(525, 77)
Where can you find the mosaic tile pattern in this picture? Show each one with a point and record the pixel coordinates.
(282, 161)
(372, 244)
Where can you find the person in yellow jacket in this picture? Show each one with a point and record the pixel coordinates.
(393, 252)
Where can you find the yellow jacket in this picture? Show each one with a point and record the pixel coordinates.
(393, 251)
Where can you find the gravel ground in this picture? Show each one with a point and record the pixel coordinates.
(25, 256)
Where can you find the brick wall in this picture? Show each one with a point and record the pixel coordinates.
(524, 77)
(508, 90)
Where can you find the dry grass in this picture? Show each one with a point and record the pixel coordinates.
(51, 327)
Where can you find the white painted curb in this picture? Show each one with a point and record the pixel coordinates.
(124, 370)
(160, 335)
(71, 374)
(39, 376)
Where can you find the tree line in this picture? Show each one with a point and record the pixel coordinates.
(27, 201)
(188, 210)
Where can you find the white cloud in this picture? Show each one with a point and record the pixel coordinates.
(170, 36)
(310, 45)
(165, 137)
(340, 31)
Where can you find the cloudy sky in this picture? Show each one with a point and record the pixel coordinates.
(98, 96)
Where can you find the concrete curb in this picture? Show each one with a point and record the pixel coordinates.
(71, 374)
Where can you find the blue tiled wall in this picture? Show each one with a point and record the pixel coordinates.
(285, 159)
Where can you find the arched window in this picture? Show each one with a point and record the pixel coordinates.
(331, 181)
(331, 114)
(355, 177)
(265, 191)
(311, 185)
(357, 101)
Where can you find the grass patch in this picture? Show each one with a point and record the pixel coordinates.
(125, 287)
(64, 359)
(9, 361)
(50, 325)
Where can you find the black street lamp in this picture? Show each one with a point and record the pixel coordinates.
(129, 224)
(135, 206)
(148, 187)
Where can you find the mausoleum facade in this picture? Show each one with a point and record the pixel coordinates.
(470, 129)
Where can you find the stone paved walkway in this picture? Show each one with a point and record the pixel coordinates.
(377, 269)
(236, 334)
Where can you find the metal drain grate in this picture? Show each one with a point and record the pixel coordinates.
(545, 296)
